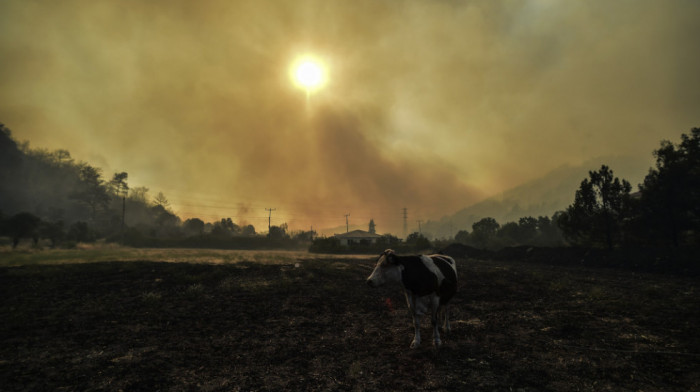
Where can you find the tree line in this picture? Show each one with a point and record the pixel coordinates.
(606, 213)
(664, 212)
(48, 195)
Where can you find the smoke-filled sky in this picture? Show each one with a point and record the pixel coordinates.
(429, 105)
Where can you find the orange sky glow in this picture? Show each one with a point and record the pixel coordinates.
(432, 106)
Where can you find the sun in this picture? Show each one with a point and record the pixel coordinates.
(308, 73)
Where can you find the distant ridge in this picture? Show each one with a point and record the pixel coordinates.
(540, 197)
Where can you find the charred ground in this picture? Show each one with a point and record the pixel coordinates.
(314, 325)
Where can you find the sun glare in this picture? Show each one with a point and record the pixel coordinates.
(309, 74)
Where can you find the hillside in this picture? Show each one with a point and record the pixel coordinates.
(541, 197)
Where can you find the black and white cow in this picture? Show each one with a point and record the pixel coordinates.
(428, 281)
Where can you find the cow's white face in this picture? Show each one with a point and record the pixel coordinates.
(387, 270)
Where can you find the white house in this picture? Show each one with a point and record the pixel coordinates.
(357, 237)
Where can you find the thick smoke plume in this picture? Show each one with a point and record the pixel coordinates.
(429, 105)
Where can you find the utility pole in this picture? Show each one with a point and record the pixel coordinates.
(269, 219)
(124, 212)
(119, 182)
(419, 229)
(405, 222)
(347, 225)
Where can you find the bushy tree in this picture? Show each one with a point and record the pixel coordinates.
(80, 232)
(670, 194)
(248, 230)
(278, 232)
(303, 236)
(549, 233)
(484, 231)
(387, 241)
(509, 233)
(418, 241)
(52, 231)
(139, 194)
(23, 225)
(161, 200)
(600, 206)
(326, 244)
(462, 237)
(166, 223)
(194, 226)
(91, 189)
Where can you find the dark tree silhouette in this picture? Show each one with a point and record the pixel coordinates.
(23, 225)
(462, 237)
(418, 241)
(601, 204)
(670, 194)
(161, 200)
(484, 231)
(92, 190)
(248, 230)
(194, 226)
(121, 188)
(278, 233)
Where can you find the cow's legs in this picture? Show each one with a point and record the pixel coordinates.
(435, 302)
(416, 326)
(412, 307)
(446, 321)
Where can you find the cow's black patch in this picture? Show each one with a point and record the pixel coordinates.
(416, 277)
(448, 288)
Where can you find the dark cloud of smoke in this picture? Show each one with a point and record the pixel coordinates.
(429, 105)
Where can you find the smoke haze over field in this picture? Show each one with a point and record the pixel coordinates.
(429, 105)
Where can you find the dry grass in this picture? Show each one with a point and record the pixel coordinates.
(102, 252)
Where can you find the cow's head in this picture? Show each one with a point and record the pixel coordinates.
(387, 269)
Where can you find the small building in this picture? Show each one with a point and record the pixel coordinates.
(359, 237)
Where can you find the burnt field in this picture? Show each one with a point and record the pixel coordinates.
(313, 324)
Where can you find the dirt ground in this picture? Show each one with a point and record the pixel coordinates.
(313, 325)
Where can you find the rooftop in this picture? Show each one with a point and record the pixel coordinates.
(357, 234)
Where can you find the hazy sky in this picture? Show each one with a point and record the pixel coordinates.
(429, 105)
